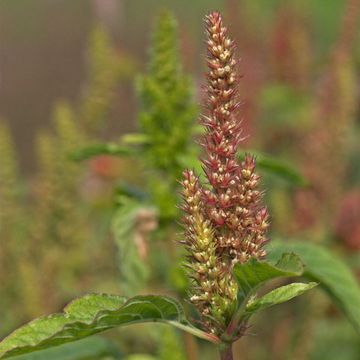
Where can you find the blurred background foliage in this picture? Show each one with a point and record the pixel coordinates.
(98, 105)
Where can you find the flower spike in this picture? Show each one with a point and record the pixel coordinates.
(225, 222)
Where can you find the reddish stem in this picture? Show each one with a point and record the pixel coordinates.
(226, 352)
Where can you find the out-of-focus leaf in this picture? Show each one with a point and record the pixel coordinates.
(170, 346)
(330, 272)
(92, 314)
(191, 161)
(92, 348)
(129, 241)
(101, 149)
(126, 190)
(278, 168)
(135, 139)
(278, 296)
(335, 339)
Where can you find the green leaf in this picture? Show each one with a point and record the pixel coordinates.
(331, 272)
(278, 168)
(254, 273)
(135, 139)
(92, 314)
(278, 296)
(134, 269)
(251, 275)
(170, 345)
(92, 348)
(101, 149)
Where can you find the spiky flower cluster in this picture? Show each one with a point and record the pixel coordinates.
(224, 220)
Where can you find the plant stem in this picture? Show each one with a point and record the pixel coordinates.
(226, 352)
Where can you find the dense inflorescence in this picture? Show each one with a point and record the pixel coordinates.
(224, 220)
(166, 117)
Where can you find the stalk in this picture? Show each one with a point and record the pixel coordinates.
(226, 352)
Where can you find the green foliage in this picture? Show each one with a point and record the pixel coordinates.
(167, 114)
(10, 193)
(251, 275)
(51, 239)
(166, 121)
(131, 241)
(12, 224)
(92, 348)
(60, 216)
(90, 151)
(170, 346)
(254, 273)
(330, 272)
(277, 296)
(106, 69)
(279, 168)
(59, 328)
(335, 339)
(40, 231)
(9, 174)
(58, 219)
(93, 314)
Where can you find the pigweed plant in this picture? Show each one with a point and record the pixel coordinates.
(225, 223)
(225, 230)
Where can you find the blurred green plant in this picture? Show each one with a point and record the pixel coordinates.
(170, 345)
(94, 348)
(12, 225)
(166, 117)
(214, 283)
(166, 121)
(167, 125)
(42, 221)
(132, 223)
(163, 148)
(106, 68)
(58, 204)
